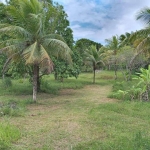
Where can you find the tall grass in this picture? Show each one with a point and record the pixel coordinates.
(8, 135)
(13, 107)
(137, 141)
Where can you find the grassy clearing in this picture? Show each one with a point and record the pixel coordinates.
(79, 116)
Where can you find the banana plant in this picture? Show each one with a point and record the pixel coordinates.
(144, 80)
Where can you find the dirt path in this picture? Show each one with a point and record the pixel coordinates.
(59, 121)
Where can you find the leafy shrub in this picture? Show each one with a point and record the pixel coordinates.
(118, 86)
(138, 91)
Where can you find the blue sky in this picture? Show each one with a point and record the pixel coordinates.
(101, 19)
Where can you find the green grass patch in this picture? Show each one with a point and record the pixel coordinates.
(52, 86)
(125, 124)
(13, 107)
(138, 141)
(80, 119)
(8, 135)
(17, 87)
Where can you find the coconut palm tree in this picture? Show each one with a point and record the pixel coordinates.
(30, 40)
(125, 39)
(113, 44)
(94, 57)
(142, 37)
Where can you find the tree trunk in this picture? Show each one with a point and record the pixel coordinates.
(3, 77)
(115, 67)
(55, 75)
(35, 77)
(38, 80)
(94, 74)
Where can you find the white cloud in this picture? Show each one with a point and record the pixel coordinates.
(2, 1)
(101, 19)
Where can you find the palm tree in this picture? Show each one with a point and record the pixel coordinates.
(142, 37)
(94, 57)
(113, 44)
(125, 39)
(30, 39)
(107, 56)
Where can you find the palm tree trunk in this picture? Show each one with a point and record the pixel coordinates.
(115, 68)
(35, 76)
(38, 80)
(94, 74)
(55, 75)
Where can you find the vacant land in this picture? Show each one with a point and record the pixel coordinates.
(79, 118)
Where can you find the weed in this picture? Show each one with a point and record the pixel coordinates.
(8, 134)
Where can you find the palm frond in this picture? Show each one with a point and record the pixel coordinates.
(46, 63)
(144, 15)
(54, 36)
(15, 30)
(142, 47)
(58, 48)
(16, 15)
(8, 50)
(31, 54)
(8, 61)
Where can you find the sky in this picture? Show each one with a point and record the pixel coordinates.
(98, 20)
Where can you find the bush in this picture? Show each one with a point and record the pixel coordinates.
(7, 82)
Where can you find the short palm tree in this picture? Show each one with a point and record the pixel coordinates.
(113, 44)
(29, 38)
(94, 57)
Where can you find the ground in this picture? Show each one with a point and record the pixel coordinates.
(78, 115)
(58, 121)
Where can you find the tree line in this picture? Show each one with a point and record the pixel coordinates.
(36, 39)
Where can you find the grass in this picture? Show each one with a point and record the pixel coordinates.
(13, 107)
(8, 134)
(78, 115)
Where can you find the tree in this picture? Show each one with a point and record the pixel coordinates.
(82, 44)
(62, 25)
(93, 56)
(64, 70)
(114, 45)
(142, 36)
(30, 40)
(57, 20)
(3, 19)
(125, 39)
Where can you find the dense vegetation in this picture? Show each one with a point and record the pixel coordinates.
(90, 96)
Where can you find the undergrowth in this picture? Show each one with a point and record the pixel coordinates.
(8, 135)
(13, 107)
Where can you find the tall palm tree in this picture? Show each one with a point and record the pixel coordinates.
(30, 39)
(141, 38)
(113, 44)
(125, 39)
(93, 56)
